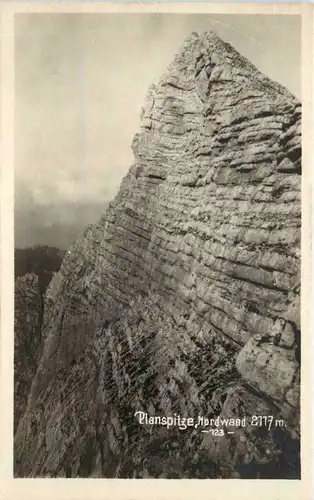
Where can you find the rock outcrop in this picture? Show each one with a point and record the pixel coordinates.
(27, 338)
(184, 298)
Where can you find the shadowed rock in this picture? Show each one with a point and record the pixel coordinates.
(27, 336)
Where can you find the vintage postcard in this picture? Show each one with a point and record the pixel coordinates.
(155, 235)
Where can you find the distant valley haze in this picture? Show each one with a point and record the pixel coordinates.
(56, 224)
(81, 80)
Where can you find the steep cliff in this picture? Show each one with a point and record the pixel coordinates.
(184, 298)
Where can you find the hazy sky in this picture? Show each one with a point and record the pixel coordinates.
(80, 85)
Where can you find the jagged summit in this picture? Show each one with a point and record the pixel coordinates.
(221, 62)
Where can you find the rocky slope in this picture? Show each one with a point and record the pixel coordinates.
(27, 337)
(33, 270)
(184, 298)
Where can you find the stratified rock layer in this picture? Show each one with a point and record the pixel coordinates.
(184, 298)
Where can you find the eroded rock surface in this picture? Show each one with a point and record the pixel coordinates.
(184, 298)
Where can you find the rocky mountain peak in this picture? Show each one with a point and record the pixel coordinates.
(184, 298)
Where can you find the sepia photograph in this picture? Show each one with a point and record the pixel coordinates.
(157, 246)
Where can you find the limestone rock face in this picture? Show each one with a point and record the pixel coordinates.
(184, 298)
